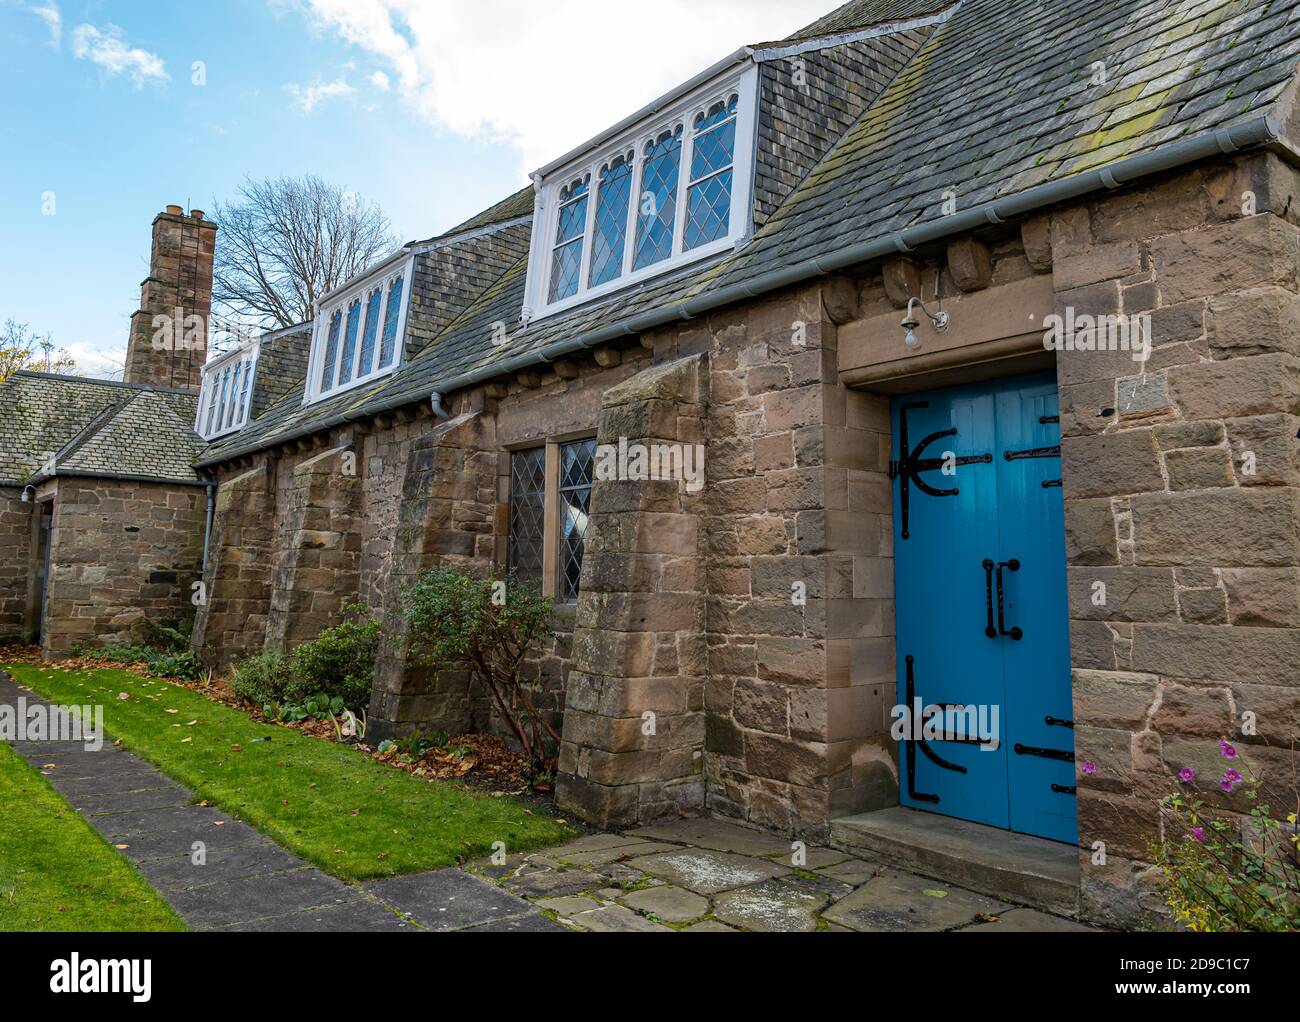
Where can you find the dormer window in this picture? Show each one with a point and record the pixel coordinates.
(226, 391)
(359, 330)
(675, 188)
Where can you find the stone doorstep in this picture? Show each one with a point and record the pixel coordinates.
(1019, 868)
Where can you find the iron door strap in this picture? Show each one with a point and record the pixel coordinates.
(911, 743)
(907, 470)
(1015, 634)
(1029, 750)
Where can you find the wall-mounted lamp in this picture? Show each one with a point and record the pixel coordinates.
(939, 321)
(29, 492)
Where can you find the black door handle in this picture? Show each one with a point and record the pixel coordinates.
(990, 631)
(1015, 633)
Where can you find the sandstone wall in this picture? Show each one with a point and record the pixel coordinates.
(120, 552)
(15, 565)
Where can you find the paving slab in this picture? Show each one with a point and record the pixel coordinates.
(242, 901)
(816, 883)
(166, 844)
(898, 902)
(771, 907)
(705, 871)
(617, 919)
(709, 926)
(130, 801)
(671, 904)
(364, 916)
(448, 899)
(126, 825)
(535, 923)
(180, 873)
(1028, 920)
(719, 835)
(854, 872)
(605, 856)
(553, 882)
(568, 906)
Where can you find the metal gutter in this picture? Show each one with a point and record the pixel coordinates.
(1261, 131)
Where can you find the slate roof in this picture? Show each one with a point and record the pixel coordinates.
(95, 427)
(999, 99)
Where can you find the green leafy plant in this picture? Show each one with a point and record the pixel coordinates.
(489, 628)
(1226, 872)
(182, 664)
(340, 661)
(332, 672)
(262, 679)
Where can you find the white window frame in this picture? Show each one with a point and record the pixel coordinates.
(210, 391)
(340, 300)
(743, 83)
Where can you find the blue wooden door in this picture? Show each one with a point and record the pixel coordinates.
(980, 586)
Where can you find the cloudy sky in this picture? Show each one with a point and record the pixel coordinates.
(434, 109)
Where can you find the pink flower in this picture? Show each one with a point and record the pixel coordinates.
(1227, 749)
(1232, 777)
(1198, 834)
(1089, 767)
(1187, 775)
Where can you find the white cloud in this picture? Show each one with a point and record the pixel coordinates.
(547, 76)
(49, 14)
(109, 50)
(380, 81)
(307, 97)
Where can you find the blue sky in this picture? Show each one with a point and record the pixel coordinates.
(434, 109)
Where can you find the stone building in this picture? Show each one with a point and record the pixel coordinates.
(983, 319)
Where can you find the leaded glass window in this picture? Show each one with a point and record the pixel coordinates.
(331, 351)
(374, 306)
(349, 343)
(576, 464)
(233, 401)
(708, 197)
(527, 513)
(243, 393)
(570, 229)
(657, 199)
(393, 315)
(609, 236)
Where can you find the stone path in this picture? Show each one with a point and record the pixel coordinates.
(698, 875)
(247, 881)
(705, 875)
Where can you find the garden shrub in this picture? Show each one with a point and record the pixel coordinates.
(338, 664)
(262, 679)
(340, 661)
(489, 628)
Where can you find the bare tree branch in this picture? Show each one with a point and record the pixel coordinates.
(285, 242)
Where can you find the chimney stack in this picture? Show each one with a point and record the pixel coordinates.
(169, 334)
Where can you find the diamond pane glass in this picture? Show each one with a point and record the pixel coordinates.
(611, 222)
(331, 350)
(714, 150)
(349, 344)
(576, 463)
(657, 200)
(388, 347)
(566, 264)
(708, 210)
(527, 512)
(373, 303)
(214, 388)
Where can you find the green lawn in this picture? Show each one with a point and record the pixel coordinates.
(334, 806)
(57, 874)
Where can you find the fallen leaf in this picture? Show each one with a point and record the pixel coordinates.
(49, 766)
(171, 711)
(191, 723)
(236, 748)
(121, 847)
(356, 812)
(186, 741)
(935, 894)
(122, 696)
